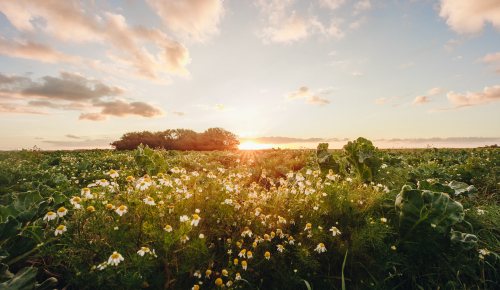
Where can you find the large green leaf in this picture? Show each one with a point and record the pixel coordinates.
(427, 208)
(25, 279)
(465, 240)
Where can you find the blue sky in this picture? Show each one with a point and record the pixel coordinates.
(80, 74)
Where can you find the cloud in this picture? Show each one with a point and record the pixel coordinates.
(151, 52)
(488, 95)
(195, 19)
(310, 97)
(70, 91)
(466, 16)
(121, 108)
(68, 86)
(72, 136)
(289, 29)
(80, 143)
(92, 117)
(282, 140)
(331, 4)
(34, 51)
(362, 5)
(434, 91)
(15, 108)
(180, 114)
(424, 99)
(492, 59)
(420, 100)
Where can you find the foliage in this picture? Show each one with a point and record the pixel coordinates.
(179, 139)
(428, 219)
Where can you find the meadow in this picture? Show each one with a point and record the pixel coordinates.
(356, 218)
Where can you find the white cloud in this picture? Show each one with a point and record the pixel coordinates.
(310, 97)
(149, 51)
(34, 51)
(289, 29)
(488, 95)
(195, 19)
(470, 16)
(362, 5)
(420, 100)
(332, 4)
(434, 91)
(493, 59)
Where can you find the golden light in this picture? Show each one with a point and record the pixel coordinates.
(250, 145)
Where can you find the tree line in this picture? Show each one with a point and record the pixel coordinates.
(179, 139)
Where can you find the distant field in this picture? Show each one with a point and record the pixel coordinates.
(357, 218)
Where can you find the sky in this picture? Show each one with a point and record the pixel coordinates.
(79, 74)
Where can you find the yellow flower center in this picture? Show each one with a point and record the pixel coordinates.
(61, 227)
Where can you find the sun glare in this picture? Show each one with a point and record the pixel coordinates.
(250, 145)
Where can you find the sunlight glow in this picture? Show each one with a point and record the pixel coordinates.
(250, 145)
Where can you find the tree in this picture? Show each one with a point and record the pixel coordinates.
(179, 139)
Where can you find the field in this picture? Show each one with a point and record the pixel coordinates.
(357, 218)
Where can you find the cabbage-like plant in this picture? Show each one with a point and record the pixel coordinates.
(326, 161)
(426, 208)
(363, 158)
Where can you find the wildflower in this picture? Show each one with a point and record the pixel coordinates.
(75, 201)
(103, 182)
(383, 220)
(244, 265)
(184, 218)
(196, 287)
(90, 208)
(121, 210)
(218, 282)
(246, 232)
(393, 248)
(242, 253)
(224, 272)
(267, 255)
(257, 211)
(184, 239)
(113, 173)
(143, 185)
(62, 211)
(201, 236)
(280, 248)
(109, 206)
(433, 225)
(149, 200)
(143, 251)
(208, 272)
(229, 283)
(50, 216)
(320, 248)
(249, 255)
(60, 230)
(483, 252)
(335, 231)
(237, 276)
(196, 219)
(130, 178)
(480, 211)
(86, 193)
(115, 259)
(308, 227)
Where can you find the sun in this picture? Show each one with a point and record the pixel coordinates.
(250, 145)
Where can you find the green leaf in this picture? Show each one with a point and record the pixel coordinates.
(427, 208)
(465, 240)
(25, 279)
(461, 188)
